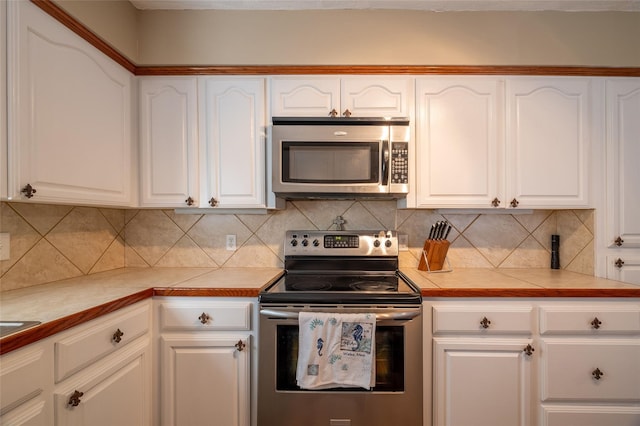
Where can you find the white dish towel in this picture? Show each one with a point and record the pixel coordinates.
(336, 350)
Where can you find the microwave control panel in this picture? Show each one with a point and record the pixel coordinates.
(400, 162)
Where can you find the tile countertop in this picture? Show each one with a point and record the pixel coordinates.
(517, 283)
(64, 304)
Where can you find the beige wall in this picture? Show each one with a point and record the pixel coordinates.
(115, 21)
(364, 37)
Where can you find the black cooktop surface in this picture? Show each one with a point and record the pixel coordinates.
(341, 288)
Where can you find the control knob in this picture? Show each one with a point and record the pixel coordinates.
(376, 243)
(316, 243)
(294, 243)
(305, 242)
(387, 243)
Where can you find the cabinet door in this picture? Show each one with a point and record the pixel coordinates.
(70, 122)
(483, 382)
(168, 141)
(624, 267)
(548, 130)
(623, 152)
(459, 148)
(205, 377)
(376, 96)
(233, 137)
(304, 96)
(114, 392)
(24, 378)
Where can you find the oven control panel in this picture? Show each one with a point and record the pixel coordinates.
(339, 243)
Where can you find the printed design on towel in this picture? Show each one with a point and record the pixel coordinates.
(315, 323)
(336, 350)
(333, 358)
(356, 337)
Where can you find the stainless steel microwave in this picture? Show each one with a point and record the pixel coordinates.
(340, 157)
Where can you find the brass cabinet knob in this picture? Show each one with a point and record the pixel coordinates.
(189, 201)
(117, 336)
(618, 241)
(596, 323)
(619, 263)
(485, 322)
(333, 113)
(213, 202)
(74, 399)
(346, 113)
(495, 202)
(514, 203)
(240, 345)
(204, 318)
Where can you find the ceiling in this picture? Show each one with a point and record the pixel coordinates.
(428, 5)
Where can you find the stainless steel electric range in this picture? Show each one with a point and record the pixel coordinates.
(341, 272)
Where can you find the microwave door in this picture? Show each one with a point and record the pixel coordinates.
(319, 166)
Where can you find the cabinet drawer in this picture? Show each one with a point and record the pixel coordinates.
(99, 338)
(569, 369)
(23, 375)
(591, 319)
(205, 316)
(591, 415)
(482, 319)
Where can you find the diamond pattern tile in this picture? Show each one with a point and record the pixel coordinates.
(50, 242)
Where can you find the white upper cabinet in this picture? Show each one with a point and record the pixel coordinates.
(460, 142)
(318, 96)
(494, 143)
(547, 150)
(168, 141)
(70, 131)
(623, 171)
(232, 142)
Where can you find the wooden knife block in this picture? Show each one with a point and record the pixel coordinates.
(434, 254)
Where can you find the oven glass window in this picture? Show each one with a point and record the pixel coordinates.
(389, 359)
(330, 162)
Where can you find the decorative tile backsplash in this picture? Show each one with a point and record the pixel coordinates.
(52, 242)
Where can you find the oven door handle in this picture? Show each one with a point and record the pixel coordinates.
(396, 315)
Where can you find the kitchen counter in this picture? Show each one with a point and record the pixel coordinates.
(63, 304)
(482, 282)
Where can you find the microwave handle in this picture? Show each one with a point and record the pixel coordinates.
(385, 163)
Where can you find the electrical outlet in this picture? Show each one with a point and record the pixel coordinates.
(5, 244)
(231, 242)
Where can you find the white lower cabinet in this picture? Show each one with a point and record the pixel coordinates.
(205, 361)
(590, 363)
(98, 373)
(24, 381)
(535, 362)
(483, 364)
(115, 391)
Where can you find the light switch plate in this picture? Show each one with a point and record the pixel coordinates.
(231, 242)
(5, 246)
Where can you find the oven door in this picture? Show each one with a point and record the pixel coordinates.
(395, 399)
(330, 159)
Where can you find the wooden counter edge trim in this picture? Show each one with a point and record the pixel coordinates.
(206, 292)
(49, 328)
(528, 292)
(58, 13)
